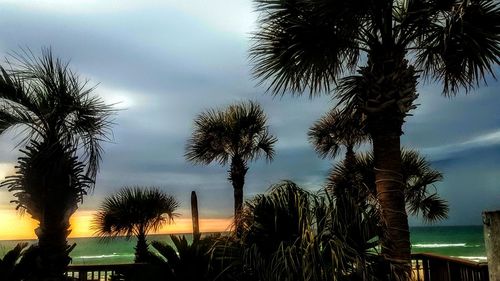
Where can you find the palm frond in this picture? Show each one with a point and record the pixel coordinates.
(304, 45)
(463, 46)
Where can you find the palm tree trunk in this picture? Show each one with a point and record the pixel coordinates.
(52, 233)
(395, 241)
(350, 157)
(141, 248)
(237, 177)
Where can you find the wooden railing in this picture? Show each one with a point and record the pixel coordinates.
(433, 267)
(426, 267)
(101, 272)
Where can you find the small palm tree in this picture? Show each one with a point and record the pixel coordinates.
(238, 134)
(135, 211)
(333, 130)
(63, 126)
(419, 183)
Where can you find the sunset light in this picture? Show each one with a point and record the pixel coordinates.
(13, 226)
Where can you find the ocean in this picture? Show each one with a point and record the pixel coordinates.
(457, 241)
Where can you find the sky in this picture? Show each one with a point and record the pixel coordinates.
(163, 62)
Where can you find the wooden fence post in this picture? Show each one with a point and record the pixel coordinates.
(491, 222)
(194, 213)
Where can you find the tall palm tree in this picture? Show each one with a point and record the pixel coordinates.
(63, 126)
(311, 45)
(135, 211)
(237, 134)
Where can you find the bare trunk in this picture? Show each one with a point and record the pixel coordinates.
(237, 178)
(141, 249)
(54, 251)
(395, 242)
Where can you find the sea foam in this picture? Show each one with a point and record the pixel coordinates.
(104, 256)
(439, 245)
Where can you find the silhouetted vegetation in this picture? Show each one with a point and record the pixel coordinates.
(185, 261)
(63, 126)
(10, 267)
(292, 234)
(237, 134)
(135, 211)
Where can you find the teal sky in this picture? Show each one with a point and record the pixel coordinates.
(166, 61)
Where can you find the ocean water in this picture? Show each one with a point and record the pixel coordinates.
(458, 241)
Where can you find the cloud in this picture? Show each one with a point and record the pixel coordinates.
(450, 150)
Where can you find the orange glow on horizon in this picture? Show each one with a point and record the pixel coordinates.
(16, 227)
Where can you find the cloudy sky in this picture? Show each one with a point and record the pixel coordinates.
(166, 61)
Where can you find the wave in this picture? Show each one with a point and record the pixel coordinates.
(441, 245)
(114, 255)
(478, 259)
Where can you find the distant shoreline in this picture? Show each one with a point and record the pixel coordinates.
(215, 232)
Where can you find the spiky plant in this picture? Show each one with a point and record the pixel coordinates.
(10, 261)
(313, 46)
(135, 211)
(237, 135)
(186, 261)
(292, 234)
(62, 127)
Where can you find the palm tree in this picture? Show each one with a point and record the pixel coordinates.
(419, 183)
(311, 45)
(334, 130)
(135, 211)
(237, 134)
(62, 126)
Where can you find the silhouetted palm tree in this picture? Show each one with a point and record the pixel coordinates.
(418, 176)
(237, 134)
(310, 45)
(334, 130)
(135, 211)
(62, 126)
